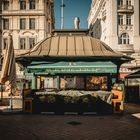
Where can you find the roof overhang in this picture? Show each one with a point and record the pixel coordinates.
(26, 60)
(74, 45)
(133, 75)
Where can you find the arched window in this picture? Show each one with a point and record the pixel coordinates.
(124, 39)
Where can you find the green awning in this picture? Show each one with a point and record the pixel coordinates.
(72, 67)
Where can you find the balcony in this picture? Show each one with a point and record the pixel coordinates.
(126, 48)
(125, 9)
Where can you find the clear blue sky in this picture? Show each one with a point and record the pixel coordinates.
(73, 8)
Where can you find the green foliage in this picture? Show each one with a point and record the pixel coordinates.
(67, 99)
(42, 98)
(85, 100)
(51, 99)
(75, 99)
(94, 99)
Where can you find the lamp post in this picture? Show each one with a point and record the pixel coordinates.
(62, 14)
(11, 97)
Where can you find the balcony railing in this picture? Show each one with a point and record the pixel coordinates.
(126, 48)
(22, 13)
(126, 8)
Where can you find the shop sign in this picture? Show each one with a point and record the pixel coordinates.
(74, 70)
(72, 67)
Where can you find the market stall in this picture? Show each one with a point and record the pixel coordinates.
(71, 60)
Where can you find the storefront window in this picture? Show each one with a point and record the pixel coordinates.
(46, 82)
(96, 83)
(80, 82)
(83, 83)
(72, 82)
(63, 83)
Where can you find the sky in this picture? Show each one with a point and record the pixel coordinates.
(72, 9)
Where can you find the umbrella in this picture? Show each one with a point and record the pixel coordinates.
(8, 74)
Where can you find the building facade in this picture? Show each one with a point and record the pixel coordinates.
(117, 23)
(28, 21)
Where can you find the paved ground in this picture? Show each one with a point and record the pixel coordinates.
(71, 127)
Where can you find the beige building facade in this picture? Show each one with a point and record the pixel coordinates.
(117, 23)
(28, 21)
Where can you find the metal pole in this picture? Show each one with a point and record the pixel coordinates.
(62, 14)
(1, 92)
(11, 98)
(139, 91)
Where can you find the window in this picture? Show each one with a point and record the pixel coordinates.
(120, 19)
(44, 82)
(120, 2)
(128, 2)
(96, 83)
(128, 19)
(124, 39)
(22, 4)
(6, 5)
(32, 4)
(5, 43)
(32, 23)
(6, 24)
(31, 42)
(22, 43)
(23, 23)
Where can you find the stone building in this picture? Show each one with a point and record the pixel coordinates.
(28, 21)
(117, 23)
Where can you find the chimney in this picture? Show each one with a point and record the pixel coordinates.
(76, 23)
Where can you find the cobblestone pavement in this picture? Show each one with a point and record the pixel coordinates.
(70, 127)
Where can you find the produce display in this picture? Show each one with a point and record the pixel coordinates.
(73, 101)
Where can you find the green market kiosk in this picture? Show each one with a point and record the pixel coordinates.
(71, 60)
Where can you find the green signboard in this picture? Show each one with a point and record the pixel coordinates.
(72, 67)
